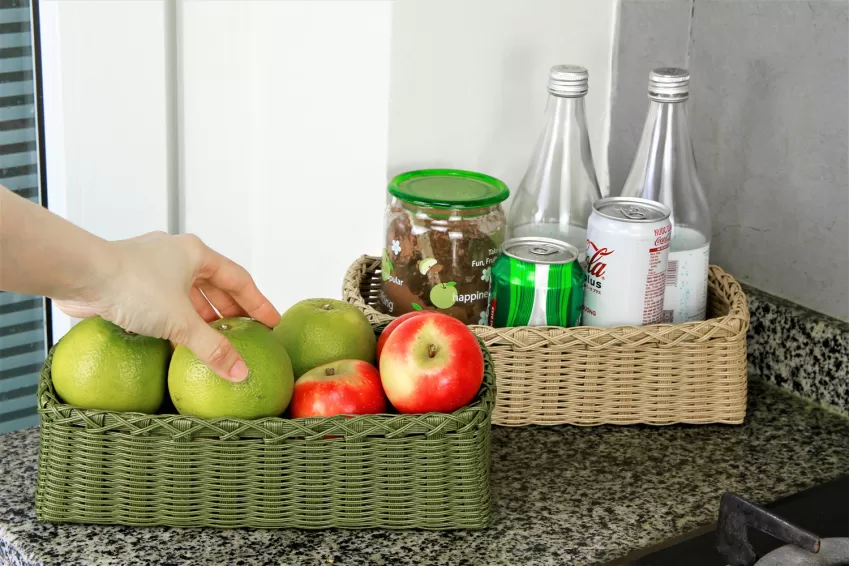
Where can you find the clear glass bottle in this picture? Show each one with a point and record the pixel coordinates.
(664, 170)
(556, 195)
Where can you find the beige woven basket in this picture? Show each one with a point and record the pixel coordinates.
(662, 374)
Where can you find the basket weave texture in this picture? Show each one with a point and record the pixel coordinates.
(384, 471)
(660, 374)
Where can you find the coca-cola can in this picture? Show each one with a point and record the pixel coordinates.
(628, 240)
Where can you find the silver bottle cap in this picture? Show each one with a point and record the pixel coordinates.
(669, 84)
(568, 81)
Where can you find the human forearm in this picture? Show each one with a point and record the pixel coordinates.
(44, 254)
(155, 284)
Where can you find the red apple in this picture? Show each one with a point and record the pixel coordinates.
(345, 387)
(392, 326)
(431, 363)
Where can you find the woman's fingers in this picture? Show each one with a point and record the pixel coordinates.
(231, 278)
(202, 305)
(213, 349)
(76, 309)
(223, 302)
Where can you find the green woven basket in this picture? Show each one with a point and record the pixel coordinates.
(384, 471)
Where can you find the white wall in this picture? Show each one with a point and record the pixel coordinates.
(468, 80)
(105, 118)
(269, 127)
(105, 99)
(284, 131)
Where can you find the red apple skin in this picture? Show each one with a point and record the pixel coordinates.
(431, 364)
(352, 388)
(382, 339)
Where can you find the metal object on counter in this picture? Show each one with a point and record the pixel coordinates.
(833, 552)
(804, 548)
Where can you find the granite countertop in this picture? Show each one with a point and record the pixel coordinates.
(561, 495)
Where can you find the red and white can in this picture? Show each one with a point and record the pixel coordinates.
(627, 245)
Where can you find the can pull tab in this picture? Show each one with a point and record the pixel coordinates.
(633, 212)
(543, 250)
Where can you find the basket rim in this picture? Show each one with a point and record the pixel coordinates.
(476, 415)
(734, 323)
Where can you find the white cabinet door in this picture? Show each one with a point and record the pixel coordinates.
(284, 108)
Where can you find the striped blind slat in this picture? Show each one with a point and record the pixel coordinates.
(22, 320)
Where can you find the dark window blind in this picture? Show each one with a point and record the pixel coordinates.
(22, 318)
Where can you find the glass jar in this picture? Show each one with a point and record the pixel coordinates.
(444, 231)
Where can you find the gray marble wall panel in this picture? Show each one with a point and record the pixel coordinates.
(651, 33)
(769, 114)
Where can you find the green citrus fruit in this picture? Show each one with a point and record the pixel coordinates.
(197, 390)
(98, 365)
(319, 331)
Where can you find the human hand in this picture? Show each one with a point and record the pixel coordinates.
(166, 286)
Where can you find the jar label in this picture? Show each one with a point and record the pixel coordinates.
(439, 263)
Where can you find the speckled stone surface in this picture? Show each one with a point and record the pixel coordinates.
(562, 495)
(798, 349)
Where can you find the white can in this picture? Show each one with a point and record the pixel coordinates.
(628, 240)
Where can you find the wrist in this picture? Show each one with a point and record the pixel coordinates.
(101, 269)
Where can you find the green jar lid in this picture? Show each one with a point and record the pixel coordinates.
(448, 188)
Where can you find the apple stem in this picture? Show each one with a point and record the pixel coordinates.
(432, 350)
(329, 371)
(326, 307)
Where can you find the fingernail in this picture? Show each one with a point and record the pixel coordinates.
(239, 371)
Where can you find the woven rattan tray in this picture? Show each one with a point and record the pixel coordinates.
(389, 471)
(662, 374)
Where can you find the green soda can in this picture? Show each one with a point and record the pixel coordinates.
(536, 282)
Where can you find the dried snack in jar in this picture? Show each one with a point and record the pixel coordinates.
(444, 229)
